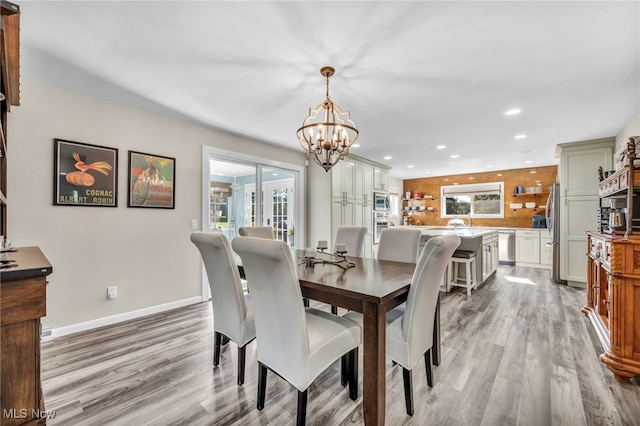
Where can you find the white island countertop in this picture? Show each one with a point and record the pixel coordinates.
(462, 232)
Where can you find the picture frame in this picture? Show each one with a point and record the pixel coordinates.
(84, 174)
(151, 181)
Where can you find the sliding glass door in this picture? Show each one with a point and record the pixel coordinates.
(232, 200)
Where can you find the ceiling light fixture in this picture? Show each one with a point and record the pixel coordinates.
(328, 132)
(455, 156)
(441, 147)
(512, 111)
(388, 157)
(520, 136)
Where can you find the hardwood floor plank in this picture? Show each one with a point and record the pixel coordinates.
(518, 351)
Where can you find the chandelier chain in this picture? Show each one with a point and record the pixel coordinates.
(328, 98)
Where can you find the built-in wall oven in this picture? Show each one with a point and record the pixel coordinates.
(380, 214)
(380, 221)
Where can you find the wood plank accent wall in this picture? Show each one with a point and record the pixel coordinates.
(545, 176)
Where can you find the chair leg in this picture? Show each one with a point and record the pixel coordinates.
(353, 374)
(344, 369)
(435, 353)
(302, 408)
(217, 342)
(469, 278)
(241, 361)
(305, 301)
(427, 362)
(408, 390)
(334, 310)
(262, 385)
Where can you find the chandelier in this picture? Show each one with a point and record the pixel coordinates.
(328, 132)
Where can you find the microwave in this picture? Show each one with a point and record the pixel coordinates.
(381, 201)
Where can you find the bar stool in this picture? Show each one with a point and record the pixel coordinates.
(469, 281)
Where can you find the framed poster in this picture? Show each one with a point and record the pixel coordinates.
(151, 181)
(84, 174)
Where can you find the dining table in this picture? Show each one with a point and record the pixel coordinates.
(371, 287)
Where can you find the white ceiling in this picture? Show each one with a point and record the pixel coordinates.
(413, 74)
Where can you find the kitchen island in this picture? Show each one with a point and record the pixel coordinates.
(482, 241)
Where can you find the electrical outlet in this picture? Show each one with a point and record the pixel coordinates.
(194, 223)
(112, 292)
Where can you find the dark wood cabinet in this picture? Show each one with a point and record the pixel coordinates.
(9, 90)
(613, 280)
(22, 303)
(613, 301)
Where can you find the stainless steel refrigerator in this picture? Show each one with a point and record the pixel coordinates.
(553, 225)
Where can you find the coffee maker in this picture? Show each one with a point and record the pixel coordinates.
(618, 214)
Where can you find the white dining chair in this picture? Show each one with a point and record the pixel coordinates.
(410, 327)
(353, 239)
(399, 244)
(232, 312)
(295, 342)
(257, 231)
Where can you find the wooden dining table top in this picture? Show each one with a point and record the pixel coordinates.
(370, 280)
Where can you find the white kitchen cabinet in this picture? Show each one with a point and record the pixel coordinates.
(528, 247)
(364, 183)
(495, 253)
(579, 200)
(364, 217)
(343, 179)
(380, 179)
(352, 187)
(489, 255)
(347, 212)
(343, 213)
(532, 249)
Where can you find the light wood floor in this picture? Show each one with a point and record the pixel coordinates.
(514, 353)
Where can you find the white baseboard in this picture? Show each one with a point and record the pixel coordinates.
(113, 319)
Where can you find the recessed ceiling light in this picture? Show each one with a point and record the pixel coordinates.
(499, 174)
(455, 183)
(274, 174)
(528, 162)
(471, 177)
(512, 111)
(427, 173)
(411, 166)
(520, 136)
(533, 171)
(490, 165)
(441, 147)
(445, 179)
(455, 156)
(388, 157)
(355, 145)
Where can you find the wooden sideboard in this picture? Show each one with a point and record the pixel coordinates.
(613, 300)
(22, 304)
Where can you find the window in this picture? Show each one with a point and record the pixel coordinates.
(482, 200)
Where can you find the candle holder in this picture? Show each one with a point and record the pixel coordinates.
(341, 260)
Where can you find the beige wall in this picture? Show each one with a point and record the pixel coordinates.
(145, 252)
